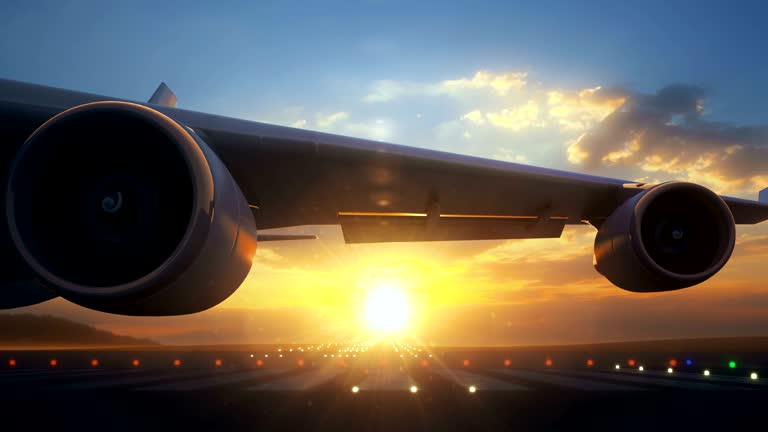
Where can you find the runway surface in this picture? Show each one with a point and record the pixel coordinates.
(355, 387)
(337, 398)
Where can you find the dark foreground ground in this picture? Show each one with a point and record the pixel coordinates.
(309, 390)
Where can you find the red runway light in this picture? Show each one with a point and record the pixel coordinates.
(177, 362)
(466, 363)
(54, 362)
(507, 362)
(300, 363)
(631, 362)
(217, 362)
(424, 363)
(135, 363)
(94, 362)
(673, 362)
(590, 362)
(548, 363)
(11, 362)
(259, 363)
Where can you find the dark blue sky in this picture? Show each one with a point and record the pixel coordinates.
(234, 57)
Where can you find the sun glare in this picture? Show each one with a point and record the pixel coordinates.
(387, 309)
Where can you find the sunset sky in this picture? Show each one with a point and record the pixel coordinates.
(675, 90)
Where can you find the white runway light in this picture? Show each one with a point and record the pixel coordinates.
(753, 376)
(472, 389)
(355, 389)
(618, 367)
(641, 368)
(706, 372)
(414, 389)
(670, 370)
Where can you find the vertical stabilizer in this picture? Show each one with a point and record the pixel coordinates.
(163, 96)
(763, 196)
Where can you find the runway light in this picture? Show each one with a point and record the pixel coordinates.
(466, 363)
(618, 366)
(355, 389)
(300, 363)
(414, 389)
(753, 376)
(135, 363)
(177, 362)
(706, 372)
(424, 363)
(251, 355)
(670, 370)
(631, 362)
(590, 363)
(259, 363)
(217, 362)
(472, 389)
(688, 362)
(507, 363)
(732, 364)
(673, 363)
(548, 363)
(94, 363)
(641, 368)
(54, 362)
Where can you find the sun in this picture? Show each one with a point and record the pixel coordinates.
(387, 309)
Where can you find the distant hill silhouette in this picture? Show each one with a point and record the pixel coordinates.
(30, 330)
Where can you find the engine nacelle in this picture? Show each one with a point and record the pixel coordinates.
(668, 237)
(119, 208)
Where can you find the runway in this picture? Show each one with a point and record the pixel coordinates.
(337, 387)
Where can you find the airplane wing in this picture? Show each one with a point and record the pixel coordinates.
(377, 192)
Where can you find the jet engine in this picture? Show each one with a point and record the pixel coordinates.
(119, 208)
(670, 236)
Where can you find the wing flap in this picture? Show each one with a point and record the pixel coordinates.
(414, 227)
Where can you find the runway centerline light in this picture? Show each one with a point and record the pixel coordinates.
(413, 389)
(753, 375)
(355, 389)
(732, 364)
(472, 389)
(706, 372)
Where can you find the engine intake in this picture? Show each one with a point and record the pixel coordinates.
(670, 236)
(119, 208)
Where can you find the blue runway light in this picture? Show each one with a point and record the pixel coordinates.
(688, 362)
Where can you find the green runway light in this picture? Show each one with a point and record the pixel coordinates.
(732, 364)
